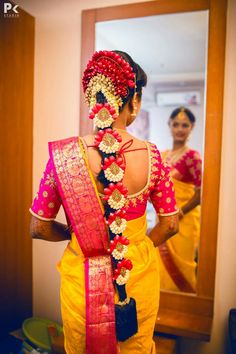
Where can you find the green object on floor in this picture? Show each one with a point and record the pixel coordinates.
(36, 330)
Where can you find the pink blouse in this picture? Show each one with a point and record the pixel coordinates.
(159, 189)
(188, 168)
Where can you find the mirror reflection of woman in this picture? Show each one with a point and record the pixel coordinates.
(178, 255)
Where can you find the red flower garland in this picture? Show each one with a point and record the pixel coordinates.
(121, 214)
(113, 76)
(108, 161)
(111, 65)
(99, 106)
(121, 273)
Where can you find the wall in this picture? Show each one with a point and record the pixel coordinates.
(16, 126)
(56, 114)
(160, 132)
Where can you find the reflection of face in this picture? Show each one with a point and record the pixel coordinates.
(180, 127)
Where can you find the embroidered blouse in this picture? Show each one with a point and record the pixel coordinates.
(159, 189)
(188, 168)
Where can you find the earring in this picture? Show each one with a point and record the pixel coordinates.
(134, 113)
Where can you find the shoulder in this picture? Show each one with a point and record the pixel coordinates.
(194, 155)
(154, 149)
(156, 155)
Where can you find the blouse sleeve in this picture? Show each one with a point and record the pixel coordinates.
(163, 195)
(47, 202)
(194, 165)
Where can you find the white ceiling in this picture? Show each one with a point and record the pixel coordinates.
(165, 46)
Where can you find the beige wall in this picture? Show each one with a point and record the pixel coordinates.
(56, 115)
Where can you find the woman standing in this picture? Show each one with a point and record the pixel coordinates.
(178, 255)
(109, 270)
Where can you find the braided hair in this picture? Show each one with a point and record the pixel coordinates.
(110, 81)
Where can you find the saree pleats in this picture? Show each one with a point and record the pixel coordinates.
(143, 285)
(183, 246)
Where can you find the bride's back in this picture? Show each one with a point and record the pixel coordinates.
(135, 154)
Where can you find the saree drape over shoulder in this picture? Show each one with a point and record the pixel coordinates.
(85, 268)
(178, 255)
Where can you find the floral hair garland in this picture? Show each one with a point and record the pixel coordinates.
(108, 73)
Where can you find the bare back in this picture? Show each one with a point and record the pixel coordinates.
(137, 162)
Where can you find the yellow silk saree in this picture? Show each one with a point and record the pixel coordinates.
(143, 286)
(178, 266)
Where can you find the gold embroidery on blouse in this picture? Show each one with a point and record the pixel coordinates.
(134, 201)
(199, 166)
(189, 161)
(139, 196)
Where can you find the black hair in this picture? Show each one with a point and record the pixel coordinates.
(126, 315)
(140, 77)
(187, 111)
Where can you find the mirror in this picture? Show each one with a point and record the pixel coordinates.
(172, 51)
(181, 313)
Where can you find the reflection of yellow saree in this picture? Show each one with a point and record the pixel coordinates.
(143, 285)
(183, 246)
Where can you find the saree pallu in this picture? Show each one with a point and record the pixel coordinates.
(84, 211)
(143, 285)
(183, 246)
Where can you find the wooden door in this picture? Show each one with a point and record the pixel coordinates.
(16, 122)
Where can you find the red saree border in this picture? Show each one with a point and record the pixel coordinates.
(78, 196)
(100, 290)
(81, 204)
(173, 271)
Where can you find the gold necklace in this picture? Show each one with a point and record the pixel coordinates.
(173, 156)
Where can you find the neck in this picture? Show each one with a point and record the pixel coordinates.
(119, 125)
(178, 145)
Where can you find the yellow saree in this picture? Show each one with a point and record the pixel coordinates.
(183, 246)
(143, 285)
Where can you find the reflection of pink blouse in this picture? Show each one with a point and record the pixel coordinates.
(159, 189)
(188, 168)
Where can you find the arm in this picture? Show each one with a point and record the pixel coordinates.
(194, 166)
(192, 203)
(167, 227)
(49, 230)
(163, 200)
(44, 210)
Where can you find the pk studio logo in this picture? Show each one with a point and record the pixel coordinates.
(10, 10)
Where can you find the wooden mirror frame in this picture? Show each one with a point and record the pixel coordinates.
(183, 314)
